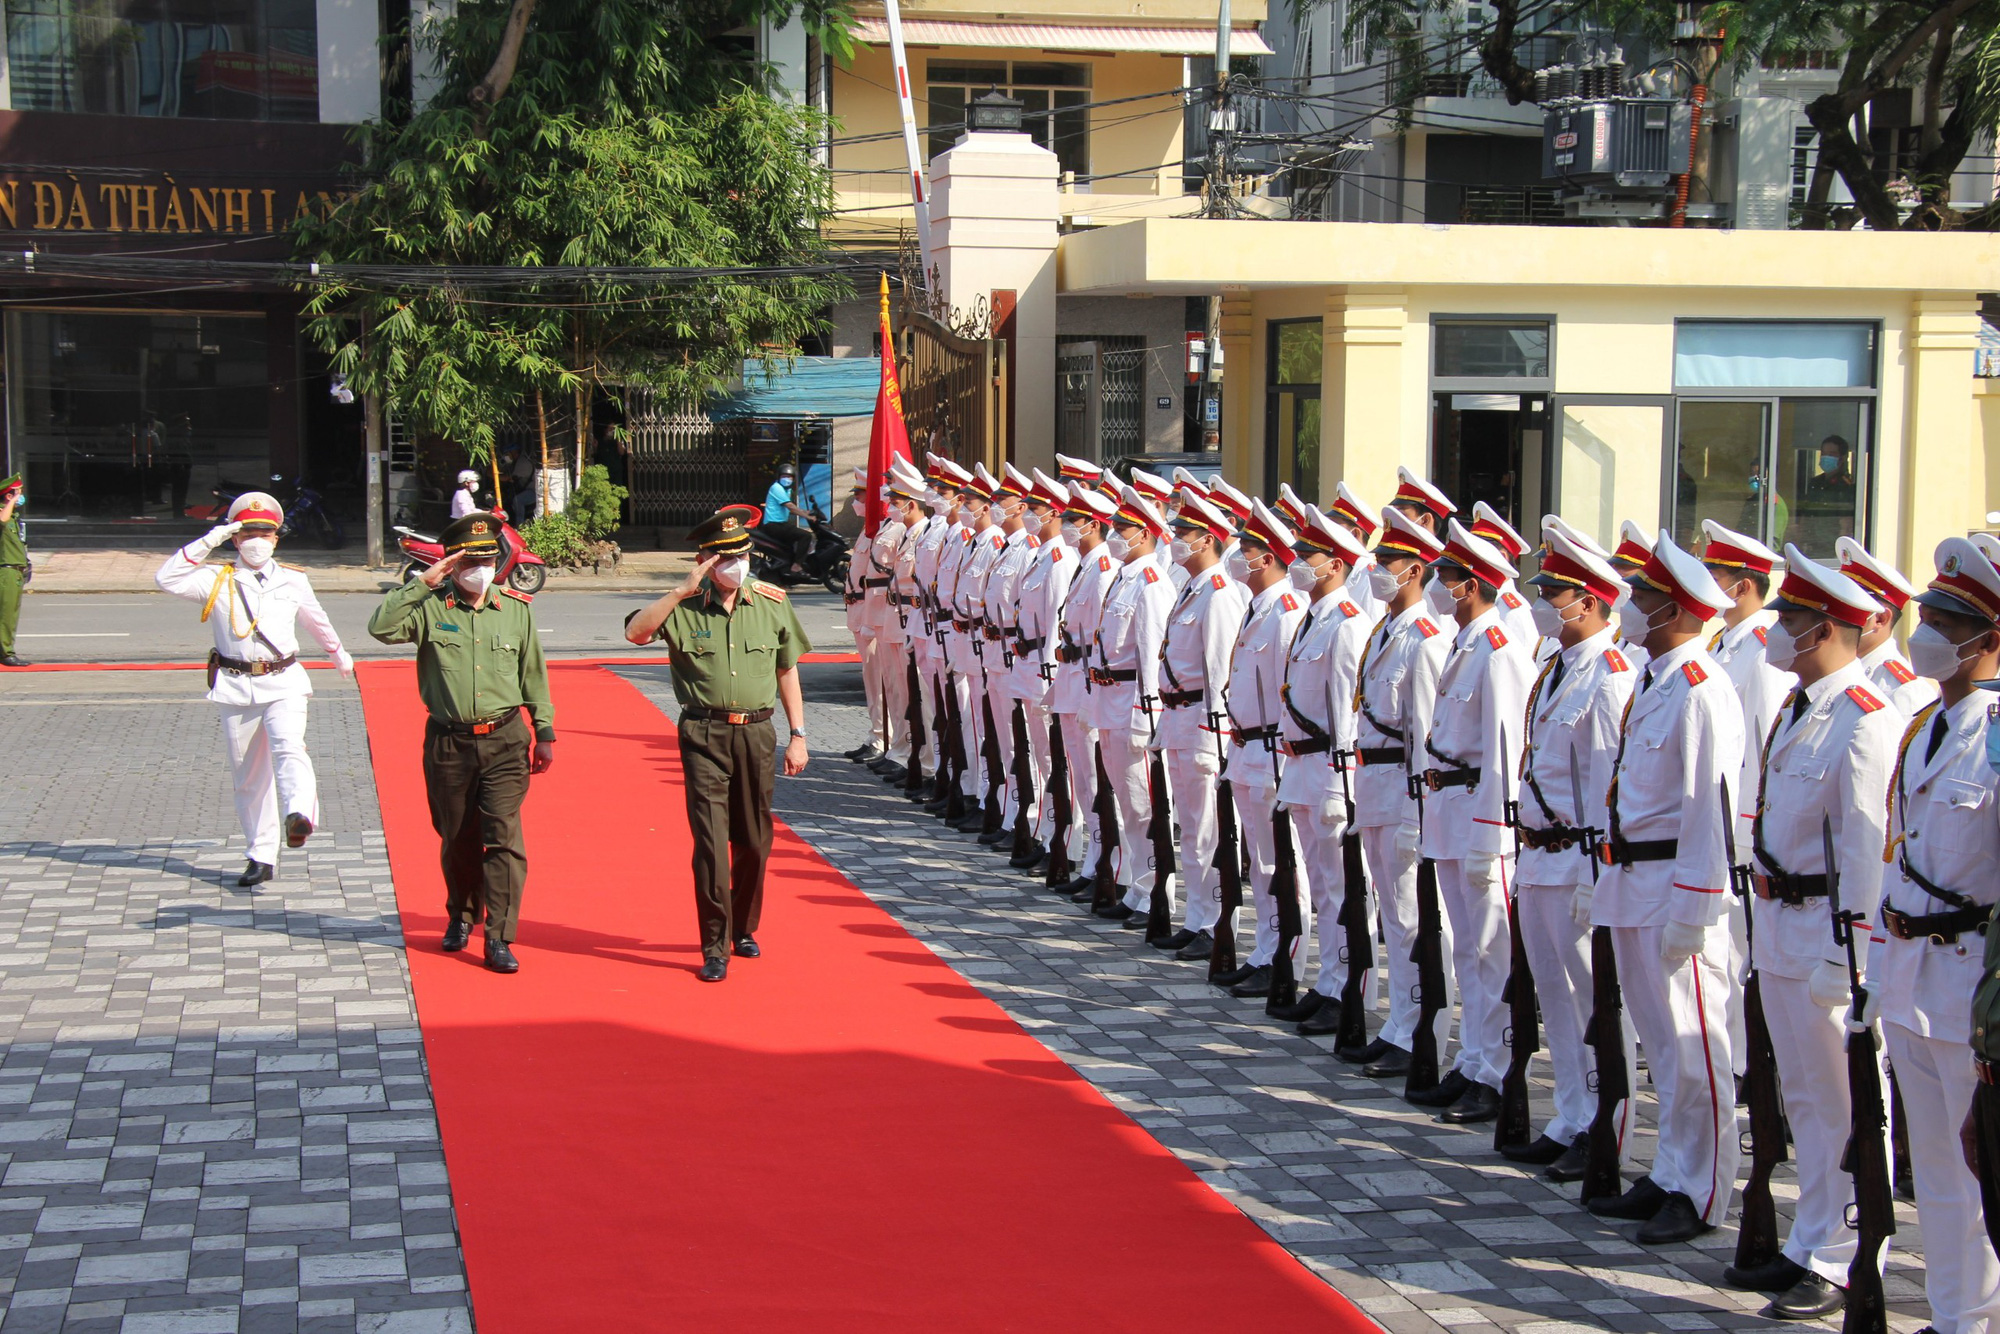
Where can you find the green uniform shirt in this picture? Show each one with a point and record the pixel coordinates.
(726, 659)
(1986, 1001)
(471, 663)
(13, 551)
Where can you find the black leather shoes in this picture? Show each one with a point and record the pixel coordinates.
(9, 660)
(1481, 1102)
(1197, 949)
(456, 936)
(1304, 1007)
(863, 754)
(1808, 1299)
(1393, 1063)
(1575, 1161)
(1116, 912)
(997, 836)
(1138, 921)
(880, 764)
(297, 830)
(713, 970)
(1257, 986)
(1677, 1220)
(1087, 891)
(1446, 1092)
(1233, 976)
(1180, 939)
(973, 821)
(1641, 1200)
(1374, 1050)
(1031, 852)
(1540, 1153)
(499, 958)
(1777, 1274)
(256, 873)
(1323, 1020)
(1076, 884)
(746, 947)
(893, 773)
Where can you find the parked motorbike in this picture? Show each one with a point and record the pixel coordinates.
(524, 571)
(306, 514)
(826, 564)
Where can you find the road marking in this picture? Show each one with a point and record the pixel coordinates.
(98, 634)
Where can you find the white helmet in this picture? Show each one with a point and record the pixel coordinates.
(467, 477)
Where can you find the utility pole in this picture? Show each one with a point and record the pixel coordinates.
(371, 412)
(1221, 121)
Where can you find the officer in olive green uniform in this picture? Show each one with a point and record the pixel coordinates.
(479, 663)
(13, 568)
(734, 644)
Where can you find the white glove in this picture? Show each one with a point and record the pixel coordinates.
(1829, 985)
(1871, 1011)
(219, 534)
(343, 660)
(1680, 942)
(1482, 870)
(1579, 906)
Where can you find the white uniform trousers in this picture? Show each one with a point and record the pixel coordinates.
(1080, 756)
(1390, 852)
(1735, 914)
(274, 775)
(1191, 774)
(1126, 764)
(868, 646)
(1558, 953)
(923, 746)
(1480, 953)
(893, 675)
(1036, 714)
(1002, 701)
(1327, 873)
(1254, 808)
(1679, 1019)
(1961, 1276)
(1810, 1042)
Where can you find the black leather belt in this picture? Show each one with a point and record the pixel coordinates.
(1068, 653)
(1787, 888)
(1245, 735)
(475, 726)
(253, 666)
(1382, 754)
(1618, 852)
(874, 583)
(1939, 928)
(1028, 645)
(1179, 699)
(1436, 780)
(992, 631)
(963, 627)
(1100, 676)
(1555, 838)
(1317, 745)
(738, 717)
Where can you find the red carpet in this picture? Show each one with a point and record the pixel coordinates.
(843, 1136)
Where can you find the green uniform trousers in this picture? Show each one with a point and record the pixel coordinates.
(476, 785)
(728, 770)
(10, 606)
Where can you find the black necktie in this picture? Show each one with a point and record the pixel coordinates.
(1937, 735)
(1799, 705)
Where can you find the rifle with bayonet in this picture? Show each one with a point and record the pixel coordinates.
(1359, 937)
(1159, 915)
(1228, 860)
(1427, 953)
(1867, 1156)
(1062, 799)
(1024, 782)
(1104, 891)
(1605, 1032)
(1515, 1124)
(954, 805)
(1757, 1230)
(1284, 877)
(996, 774)
(913, 780)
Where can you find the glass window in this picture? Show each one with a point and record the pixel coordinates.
(1296, 347)
(1053, 97)
(210, 59)
(1490, 350)
(1821, 470)
(1292, 412)
(1720, 472)
(1782, 470)
(1771, 354)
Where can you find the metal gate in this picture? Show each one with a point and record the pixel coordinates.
(684, 466)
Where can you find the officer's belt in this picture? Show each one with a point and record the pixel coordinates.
(1382, 754)
(1436, 780)
(1788, 888)
(1618, 852)
(1554, 838)
(1022, 645)
(1940, 928)
(1180, 699)
(736, 716)
(253, 666)
(1312, 745)
(963, 627)
(850, 598)
(992, 631)
(475, 726)
(1245, 735)
(874, 583)
(1107, 676)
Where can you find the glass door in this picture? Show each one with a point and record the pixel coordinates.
(1608, 458)
(1722, 471)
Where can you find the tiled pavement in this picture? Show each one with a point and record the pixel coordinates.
(1423, 1225)
(214, 1114)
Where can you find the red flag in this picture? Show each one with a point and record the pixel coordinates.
(889, 436)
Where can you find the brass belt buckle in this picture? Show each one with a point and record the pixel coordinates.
(481, 729)
(259, 667)
(1429, 778)
(734, 717)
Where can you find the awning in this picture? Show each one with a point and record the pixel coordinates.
(812, 387)
(1179, 40)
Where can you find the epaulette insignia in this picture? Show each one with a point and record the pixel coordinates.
(1425, 628)
(298, 569)
(1863, 700)
(1510, 601)
(1759, 632)
(518, 594)
(1899, 671)
(999, 541)
(1218, 581)
(771, 591)
(1694, 673)
(1033, 541)
(1056, 554)
(1289, 602)
(1151, 574)
(1104, 564)
(1348, 608)
(1496, 636)
(1616, 661)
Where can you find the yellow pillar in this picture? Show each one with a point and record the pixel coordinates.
(1361, 392)
(1939, 429)
(1242, 394)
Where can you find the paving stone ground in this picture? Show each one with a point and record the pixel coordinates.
(1422, 1224)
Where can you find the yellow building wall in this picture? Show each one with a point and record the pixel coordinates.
(1986, 446)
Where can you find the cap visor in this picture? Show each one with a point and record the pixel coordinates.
(1544, 579)
(1939, 600)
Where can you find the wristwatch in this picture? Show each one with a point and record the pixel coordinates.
(799, 732)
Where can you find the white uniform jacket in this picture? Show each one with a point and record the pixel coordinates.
(1482, 702)
(1319, 680)
(1943, 828)
(1896, 681)
(1518, 621)
(1256, 673)
(1076, 628)
(1393, 706)
(1739, 651)
(1573, 708)
(1038, 607)
(1833, 763)
(884, 554)
(275, 600)
(1003, 592)
(1194, 658)
(1360, 593)
(1127, 647)
(1682, 736)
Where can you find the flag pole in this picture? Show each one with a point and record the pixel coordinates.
(919, 194)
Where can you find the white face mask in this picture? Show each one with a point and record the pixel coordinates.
(473, 580)
(1781, 647)
(1549, 620)
(1440, 598)
(1117, 547)
(1934, 656)
(860, 510)
(1302, 575)
(731, 573)
(1384, 584)
(1071, 534)
(1238, 566)
(1180, 550)
(255, 551)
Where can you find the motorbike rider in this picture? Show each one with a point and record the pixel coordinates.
(465, 499)
(781, 507)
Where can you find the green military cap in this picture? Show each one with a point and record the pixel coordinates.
(727, 533)
(476, 534)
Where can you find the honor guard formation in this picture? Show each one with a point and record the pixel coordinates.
(1690, 807)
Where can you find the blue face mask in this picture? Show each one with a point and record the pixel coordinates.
(1829, 463)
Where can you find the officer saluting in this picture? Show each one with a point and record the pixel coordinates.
(14, 568)
(478, 751)
(254, 673)
(735, 645)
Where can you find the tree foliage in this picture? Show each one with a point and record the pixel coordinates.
(625, 135)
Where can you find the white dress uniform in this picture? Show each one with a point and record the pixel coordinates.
(1896, 681)
(1039, 604)
(1070, 694)
(1681, 737)
(1573, 711)
(1944, 836)
(915, 626)
(861, 624)
(1476, 730)
(968, 608)
(1256, 674)
(255, 615)
(891, 642)
(1001, 607)
(1830, 760)
(1124, 707)
(963, 664)
(1194, 673)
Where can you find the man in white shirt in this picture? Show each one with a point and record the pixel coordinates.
(1037, 617)
(1894, 677)
(465, 499)
(1086, 518)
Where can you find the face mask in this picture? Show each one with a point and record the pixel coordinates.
(731, 573)
(474, 580)
(255, 550)
(1623, 602)
(1117, 547)
(1302, 575)
(1239, 566)
(1829, 463)
(1781, 648)
(1071, 534)
(1384, 584)
(860, 510)
(1549, 619)
(1180, 551)
(1934, 656)
(1440, 598)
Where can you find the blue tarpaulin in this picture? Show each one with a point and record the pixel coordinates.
(809, 387)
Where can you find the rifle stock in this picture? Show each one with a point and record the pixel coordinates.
(1159, 919)
(1024, 780)
(1229, 869)
(1867, 1156)
(1606, 1035)
(996, 777)
(1515, 1124)
(1428, 955)
(1062, 799)
(913, 780)
(1285, 893)
(1104, 893)
(1360, 941)
(1757, 1230)
(954, 806)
